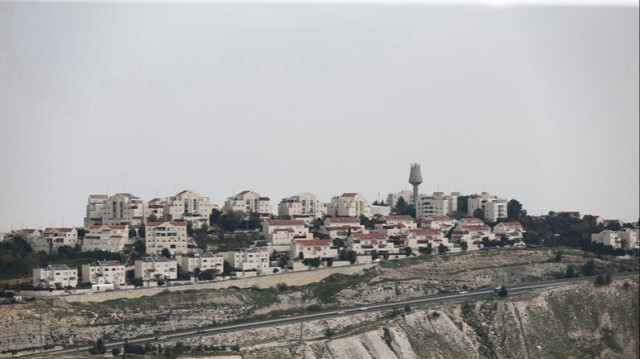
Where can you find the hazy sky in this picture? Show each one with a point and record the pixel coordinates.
(538, 104)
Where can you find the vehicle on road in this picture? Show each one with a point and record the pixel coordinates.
(161, 338)
(341, 312)
(65, 293)
(364, 308)
(18, 354)
(395, 300)
(464, 292)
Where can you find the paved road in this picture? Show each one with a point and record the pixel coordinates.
(482, 292)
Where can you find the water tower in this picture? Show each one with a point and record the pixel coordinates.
(415, 178)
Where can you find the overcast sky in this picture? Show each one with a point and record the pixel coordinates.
(538, 104)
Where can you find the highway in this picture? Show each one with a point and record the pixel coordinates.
(482, 292)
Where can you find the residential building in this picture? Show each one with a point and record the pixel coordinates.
(203, 261)
(55, 276)
(629, 238)
(418, 238)
(302, 206)
(189, 206)
(367, 243)
(438, 222)
(377, 210)
(349, 205)
(471, 230)
(104, 272)
(54, 238)
(156, 268)
(394, 225)
(510, 230)
(30, 235)
(608, 238)
(282, 232)
(123, 208)
(106, 238)
(248, 202)
(248, 259)
(313, 248)
(341, 227)
(94, 209)
(438, 204)
(392, 198)
(156, 207)
(494, 208)
(171, 235)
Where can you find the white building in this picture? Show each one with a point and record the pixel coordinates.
(341, 227)
(512, 230)
(493, 207)
(302, 206)
(156, 268)
(189, 206)
(367, 243)
(123, 208)
(392, 198)
(54, 238)
(394, 225)
(629, 238)
(156, 207)
(377, 210)
(471, 231)
(438, 204)
(313, 248)
(29, 234)
(95, 205)
(203, 260)
(55, 276)
(438, 222)
(248, 202)
(248, 259)
(421, 238)
(608, 238)
(106, 238)
(171, 235)
(282, 232)
(104, 272)
(349, 205)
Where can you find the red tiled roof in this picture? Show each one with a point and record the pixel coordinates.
(426, 231)
(102, 196)
(173, 223)
(284, 230)
(370, 236)
(243, 193)
(28, 230)
(314, 242)
(397, 218)
(95, 226)
(285, 222)
(118, 226)
(349, 195)
(182, 192)
(343, 219)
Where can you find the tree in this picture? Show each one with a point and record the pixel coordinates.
(152, 218)
(338, 242)
(115, 352)
(603, 278)
(214, 216)
(132, 233)
(99, 348)
(514, 210)
(479, 214)
(462, 204)
(408, 251)
(442, 249)
(502, 292)
(404, 208)
(283, 261)
(227, 268)
(374, 255)
(315, 262)
(142, 232)
(300, 255)
(329, 262)
(165, 253)
(558, 257)
(464, 245)
(589, 268)
(571, 272)
(140, 248)
(426, 250)
(206, 275)
(352, 256)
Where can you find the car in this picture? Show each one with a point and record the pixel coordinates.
(161, 338)
(65, 293)
(464, 292)
(341, 312)
(18, 354)
(364, 308)
(89, 292)
(396, 300)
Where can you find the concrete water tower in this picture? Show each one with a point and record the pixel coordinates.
(415, 178)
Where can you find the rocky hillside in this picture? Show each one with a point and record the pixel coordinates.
(572, 321)
(57, 322)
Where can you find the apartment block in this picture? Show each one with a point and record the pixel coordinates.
(341, 227)
(392, 198)
(54, 238)
(189, 206)
(105, 238)
(57, 276)
(438, 204)
(203, 260)
(171, 235)
(104, 272)
(349, 205)
(248, 202)
(494, 208)
(282, 232)
(313, 248)
(95, 205)
(629, 238)
(367, 243)
(394, 225)
(248, 259)
(302, 206)
(156, 268)
(438, 222)
(512, 230)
